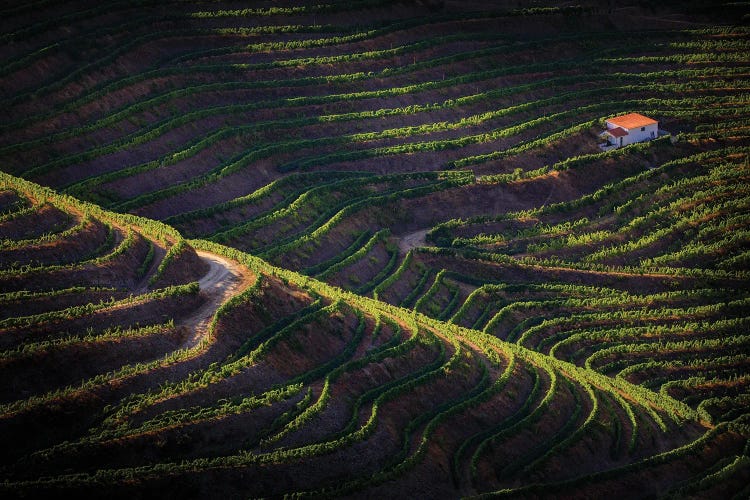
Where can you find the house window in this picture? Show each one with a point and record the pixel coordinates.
(643, 129)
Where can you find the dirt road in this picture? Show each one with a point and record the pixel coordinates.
(413, 240)
(224, 279)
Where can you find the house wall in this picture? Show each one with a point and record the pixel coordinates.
(637, 135)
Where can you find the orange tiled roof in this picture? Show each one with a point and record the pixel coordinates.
(617, 132)
(631, 120)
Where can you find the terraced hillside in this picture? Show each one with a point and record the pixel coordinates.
(410, 269)
(297, 387)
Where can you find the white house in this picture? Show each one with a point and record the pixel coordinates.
(630, 128)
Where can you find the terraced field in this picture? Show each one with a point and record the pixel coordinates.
(372, 248)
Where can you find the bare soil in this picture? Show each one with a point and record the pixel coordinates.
(185, 267)
(223, 279)
(44, 219)
(60, 251)
(30, 306)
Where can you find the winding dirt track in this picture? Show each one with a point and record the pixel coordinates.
(413, 240)
(224, 279)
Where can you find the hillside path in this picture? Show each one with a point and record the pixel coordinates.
(224, 279)
(413, 240)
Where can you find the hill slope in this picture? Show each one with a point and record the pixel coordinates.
(301, 132)
(413, 271)
(298, 387)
